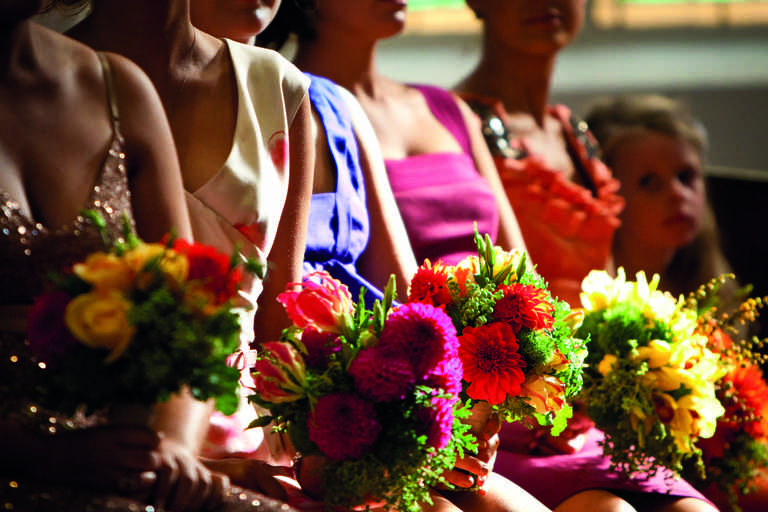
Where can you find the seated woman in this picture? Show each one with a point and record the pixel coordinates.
(85, 130)
(568, 206)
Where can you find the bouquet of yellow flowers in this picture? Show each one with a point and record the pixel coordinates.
(368, 397)
(137, 324)
(516, 341)
(651, 382)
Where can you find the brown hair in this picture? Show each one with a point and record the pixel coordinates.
(616, 119)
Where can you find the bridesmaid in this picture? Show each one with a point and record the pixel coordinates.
(82, 129)
(241, 122)
(568, 207)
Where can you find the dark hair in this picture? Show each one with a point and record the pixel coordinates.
(294, 17)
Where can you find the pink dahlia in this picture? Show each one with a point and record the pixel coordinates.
(524, 306)
(492, 364)
(446, 376)
(436, 422)
(380, 377)
(421, 333)
(343, 426)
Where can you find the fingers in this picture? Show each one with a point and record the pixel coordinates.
(219, 487)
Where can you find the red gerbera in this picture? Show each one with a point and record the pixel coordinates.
(430, 285)
(746, 399)
(524, 306)
(211, 268)
(492, 364)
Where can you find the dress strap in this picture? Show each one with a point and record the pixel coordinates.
(106, 70)
(443, 106)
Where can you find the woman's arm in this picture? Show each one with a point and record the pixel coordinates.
(510, 236)
(389, 250)
(287, 254)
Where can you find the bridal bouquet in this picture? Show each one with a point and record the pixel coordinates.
(136, 324)
(516, 341)
(652, 379)
(371, 394)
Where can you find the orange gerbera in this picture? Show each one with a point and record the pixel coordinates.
(524, 306)
(492, 363)
(430, 284)
(745, 397)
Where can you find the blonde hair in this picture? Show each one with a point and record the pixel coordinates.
(615, 120)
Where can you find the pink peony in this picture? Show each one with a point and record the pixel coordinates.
(47, 333)
(323, 303)
(422, 333)
(379, 377)
(343, 426)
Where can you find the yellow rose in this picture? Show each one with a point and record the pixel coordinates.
(146, 257)
(105, 271)
(99, 320)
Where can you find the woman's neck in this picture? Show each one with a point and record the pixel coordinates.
(155, 35)
(651, 260)
(520, 81)
(348, 63)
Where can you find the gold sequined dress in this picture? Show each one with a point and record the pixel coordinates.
(29, 252)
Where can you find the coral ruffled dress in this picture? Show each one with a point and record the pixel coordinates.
(568, 228)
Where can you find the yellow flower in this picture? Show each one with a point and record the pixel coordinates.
(657, 353)
(173, 266)
(99, 320)
(504, 258)
(105, 271)
(600, 291)
(545, 393)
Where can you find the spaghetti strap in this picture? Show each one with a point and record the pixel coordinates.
(106, 70)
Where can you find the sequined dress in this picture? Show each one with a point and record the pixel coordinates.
(29, 251)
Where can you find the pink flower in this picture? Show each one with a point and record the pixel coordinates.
(343, 426)
(446, 376)
(421, 333)
(279, 373)
(436, 422)
(47, 332)
(323, 303)
(379, 377)
(492, 364)
(319, 346)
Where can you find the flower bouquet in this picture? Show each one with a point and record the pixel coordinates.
(736, 456)
(137, 324)
(651, 379)
(371, 393)
(520, 357)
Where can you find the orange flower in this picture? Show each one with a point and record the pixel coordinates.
(430, 284)
(524, 306)
(492, 364)
(744, 394)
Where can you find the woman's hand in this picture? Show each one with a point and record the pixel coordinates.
(184, 484)
(473, 471)
(252, 474)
